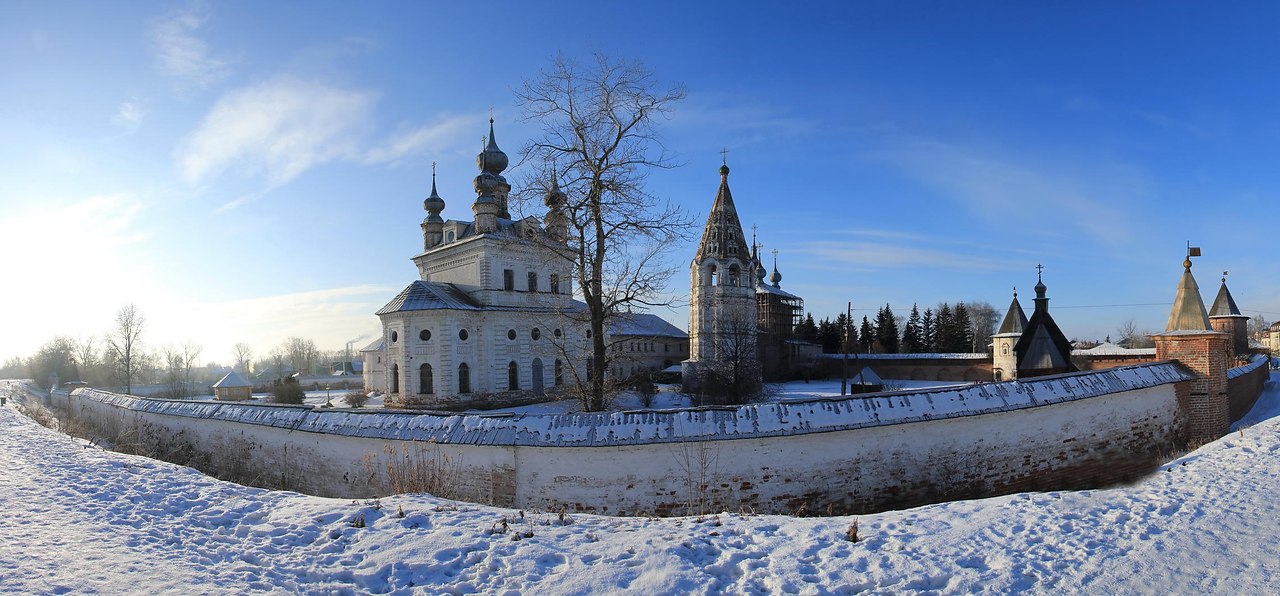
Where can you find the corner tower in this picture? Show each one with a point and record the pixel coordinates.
(1225, 317)
(1004, 359)
(722, 303)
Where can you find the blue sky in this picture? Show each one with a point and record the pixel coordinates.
(248, 171)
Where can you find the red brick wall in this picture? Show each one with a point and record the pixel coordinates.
(1243, 391)
(1203, 400)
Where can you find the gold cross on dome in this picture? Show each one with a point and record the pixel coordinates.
(724, 156)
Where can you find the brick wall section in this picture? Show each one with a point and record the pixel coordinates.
(1204, 399)
(1243, 389)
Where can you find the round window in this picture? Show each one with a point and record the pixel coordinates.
(424, 335)
(557, 333)
(536, 333)
(511, 334)
(462, 334)
(394, 336)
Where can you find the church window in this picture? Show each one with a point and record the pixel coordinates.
(536, 334)
(511, 334)
(450, 236)
(426, 382)
(424, 335)
(464, 378)
(555, 283)
(395, 378)
(462, 334)
(1004, 349)
(513, 376)
(666, 347)
(394, 336)
(533, 281)
(556, 333)
(508, 280)
(588, 334)
(559, 372)
(537, 374)
(733, 275)
(713, 276)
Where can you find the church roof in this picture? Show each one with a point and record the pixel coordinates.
(722, 236)
(426, 295)
(644, 324)
(1043, 345)
(1224, 305)
(376, 345)
(768, 289)
(1188, 312)
(1015, 320)
(233, 379)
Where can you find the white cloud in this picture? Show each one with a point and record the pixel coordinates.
(1016, 193)
(436, 137)
(129, 114)
(182, 54)
(864, 255)
(280, 128)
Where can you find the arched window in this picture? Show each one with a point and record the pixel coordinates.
(513, 376)
(426, 381)
(559, 372)
(464, 378)
(713, 278)
(537, 374)
(733, 275)
(395, 378)
(555, 283)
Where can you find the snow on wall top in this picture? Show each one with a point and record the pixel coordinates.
(773, 419)
(939, 356)
(1255, 362)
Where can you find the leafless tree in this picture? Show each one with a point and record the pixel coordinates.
(1258, 327)
(87, 359)
(983, 319)
(190, 351)
(734, 376)
(1129, 336)
(171, 360)
(301, 353)
(600, 138)
(244, 356)
(124, 345)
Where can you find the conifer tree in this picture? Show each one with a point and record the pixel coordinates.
(929, 332)
(867, 335)
(829, 336)
(944, 330)
(807, 329)
(911, 332)
(887, 330)
(963, 333)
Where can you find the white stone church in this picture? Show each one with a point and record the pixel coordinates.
(491, 320)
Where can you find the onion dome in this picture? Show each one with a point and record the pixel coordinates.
(492, 159)
(555, 198)
(433, 204)
(775, 278)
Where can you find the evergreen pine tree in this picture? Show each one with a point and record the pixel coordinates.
(867, 335)
(887, 330)
(963, 329)
(928, 332)
(829, 336)
(944, 330)
(840, 327)
(911, 332)
(807, 330)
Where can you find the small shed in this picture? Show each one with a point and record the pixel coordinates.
(232, 387)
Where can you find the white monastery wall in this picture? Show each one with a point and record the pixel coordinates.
(842, 455)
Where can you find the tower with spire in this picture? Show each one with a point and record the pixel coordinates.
(492, 314)
(1225, 316)
(1004, 364)
(722, 298)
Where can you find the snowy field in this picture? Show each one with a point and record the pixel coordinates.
(77, 519)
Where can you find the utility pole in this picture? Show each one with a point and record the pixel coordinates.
(844, 353)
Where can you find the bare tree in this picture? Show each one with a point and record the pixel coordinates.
(983, 319)
(734, 376)
(171, 360)
(124, 345)
(244, 356)
(599, 134)
(1258, 327)
(190, 351)
(301, 353)
(87, 359)
(1129, 336)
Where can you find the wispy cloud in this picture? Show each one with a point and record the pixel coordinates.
(1017, 193)
(129, 114)
(753, 120)
(434, 137)
(281, 128)
(867, 255)
(184, 55)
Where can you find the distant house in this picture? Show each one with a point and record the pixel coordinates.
(645, 342)
(271, 373)
(232, 387)
(373, 367)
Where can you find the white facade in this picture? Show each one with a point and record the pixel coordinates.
(492, 318)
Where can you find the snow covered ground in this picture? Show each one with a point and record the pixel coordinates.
(76, 519)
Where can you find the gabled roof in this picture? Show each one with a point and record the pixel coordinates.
(427, 295)
(233, 379)
(376, 345)
(644, 325)
(1224, 305)
(1015, 321)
